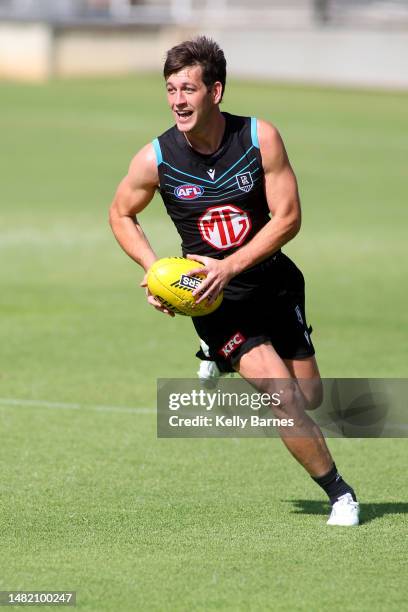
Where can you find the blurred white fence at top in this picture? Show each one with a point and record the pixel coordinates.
(276, 13)
(350, 42)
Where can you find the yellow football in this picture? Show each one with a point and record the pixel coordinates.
(168, 281)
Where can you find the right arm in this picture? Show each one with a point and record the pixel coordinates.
(133, 194)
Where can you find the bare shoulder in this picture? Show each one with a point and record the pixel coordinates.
(137, 188)
(271, 145)
(142, 171)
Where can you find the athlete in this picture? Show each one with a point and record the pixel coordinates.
(229, 188)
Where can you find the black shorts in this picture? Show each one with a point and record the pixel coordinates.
(274, 312)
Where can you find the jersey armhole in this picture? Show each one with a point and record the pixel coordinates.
(157, 150)
(254, 132)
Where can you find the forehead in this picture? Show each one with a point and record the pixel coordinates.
(189, 74)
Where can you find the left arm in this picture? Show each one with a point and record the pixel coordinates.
(283, 200)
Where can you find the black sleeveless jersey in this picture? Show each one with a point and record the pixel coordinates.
(217, 202)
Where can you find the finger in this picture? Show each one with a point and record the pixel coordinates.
(206, 292)
(199, 258)
(165, 311)
(144, 281)
(212, 297)
(154, 302)
(159, 306)
(196, 257)
(202, 287)
(196, 271)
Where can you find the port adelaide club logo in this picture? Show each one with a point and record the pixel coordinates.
(188, 192)
(245, 182)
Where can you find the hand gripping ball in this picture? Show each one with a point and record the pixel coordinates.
(168, 281)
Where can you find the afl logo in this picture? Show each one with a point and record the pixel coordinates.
(188, 192)
(224, 226)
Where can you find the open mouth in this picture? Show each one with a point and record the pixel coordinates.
(184, 114)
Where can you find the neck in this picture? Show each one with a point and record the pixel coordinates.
(207, 140)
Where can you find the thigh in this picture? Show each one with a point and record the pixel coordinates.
(262, 362)
(306, 368)
(263, 365)
(264, 369)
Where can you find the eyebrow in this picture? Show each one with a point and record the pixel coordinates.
(184, 83)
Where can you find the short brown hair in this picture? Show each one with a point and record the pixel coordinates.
(200, 51)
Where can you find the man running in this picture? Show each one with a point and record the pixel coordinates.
(228, 186)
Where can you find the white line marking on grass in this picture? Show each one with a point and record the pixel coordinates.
(8, 401)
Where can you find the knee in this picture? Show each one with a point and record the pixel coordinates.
(313, 394)
(287, 401)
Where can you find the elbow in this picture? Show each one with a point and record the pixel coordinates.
(294, 226)
(112, 216)
(297, 225)
(116, 218)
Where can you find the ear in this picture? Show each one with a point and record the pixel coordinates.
(216, 92)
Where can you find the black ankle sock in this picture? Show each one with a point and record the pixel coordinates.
(334, 485)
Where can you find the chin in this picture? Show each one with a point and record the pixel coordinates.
(185, 127)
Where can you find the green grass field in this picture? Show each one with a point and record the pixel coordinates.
(90, 499)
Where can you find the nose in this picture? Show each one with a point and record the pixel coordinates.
(180, 98)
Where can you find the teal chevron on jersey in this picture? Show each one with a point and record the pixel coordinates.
(232, 178)
(205, 180)
(220, 193)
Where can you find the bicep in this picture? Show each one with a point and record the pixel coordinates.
(280, 182)
(130, 199)
(137, 188)
(282, 192)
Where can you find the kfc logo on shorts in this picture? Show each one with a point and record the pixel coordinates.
(232, 345)
(224, 226)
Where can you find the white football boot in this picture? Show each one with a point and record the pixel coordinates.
(208, 372)
(345, 512)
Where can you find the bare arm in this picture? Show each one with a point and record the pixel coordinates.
(134, 193)
(283, 201)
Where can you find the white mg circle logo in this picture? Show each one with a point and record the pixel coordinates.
(224, 226)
